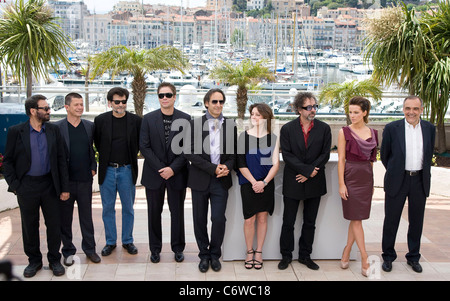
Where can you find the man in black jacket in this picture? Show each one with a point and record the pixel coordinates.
(164, 170)
(117, 140)
(406, 153)
(305, 143)
(78, 136)
(36, 171)
(212, 153)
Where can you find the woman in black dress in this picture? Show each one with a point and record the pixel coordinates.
(258, 164)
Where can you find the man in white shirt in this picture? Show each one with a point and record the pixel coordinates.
(406, 153)
(212, 156)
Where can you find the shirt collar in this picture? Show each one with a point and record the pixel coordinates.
(410, 126)
(42, 128)
(209, 116)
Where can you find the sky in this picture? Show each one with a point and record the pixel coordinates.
(104, 6)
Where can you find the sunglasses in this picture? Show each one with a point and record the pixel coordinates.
(43, 108)
(168, 95)
(309, 108)
(215, 101)
(120, 101)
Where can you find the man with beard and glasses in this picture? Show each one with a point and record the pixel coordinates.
(305, 143)
(35, 168)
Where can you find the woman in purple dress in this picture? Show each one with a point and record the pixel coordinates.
(357, 150)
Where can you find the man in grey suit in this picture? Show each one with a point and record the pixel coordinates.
(78, 135)
(164, 170)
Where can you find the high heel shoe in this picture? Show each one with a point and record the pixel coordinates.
(257, 264)
(344, 264)
(365, 272)
(250, 263)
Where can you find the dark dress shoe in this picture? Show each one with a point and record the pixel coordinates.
(387, 266)
(203, 266)
(179, 256)
(68, 261)
(284, 263)
(57, 268)
(155, 258)
(32, 269)
(108, 249)
(415, 266)
(309, 263)
(93, 257)
(215, 264)
(131, 248)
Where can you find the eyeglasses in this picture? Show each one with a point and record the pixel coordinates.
(168, 95)
(215, 101)
(309, 108)
(43, 108)
(120, 101)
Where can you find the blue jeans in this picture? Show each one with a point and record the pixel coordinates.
(118, 180)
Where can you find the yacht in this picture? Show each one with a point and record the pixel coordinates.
(179, 79)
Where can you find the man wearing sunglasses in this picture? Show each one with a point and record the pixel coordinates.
(305, 143)
(164, 171)
(35, 168)
(212, 155)
(116, 137)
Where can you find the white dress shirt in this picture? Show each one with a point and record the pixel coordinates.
(414, 147)
(214, 136)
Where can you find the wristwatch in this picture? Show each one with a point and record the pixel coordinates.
(265, 183)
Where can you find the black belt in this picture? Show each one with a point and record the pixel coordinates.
(412, 173)
(116, 165)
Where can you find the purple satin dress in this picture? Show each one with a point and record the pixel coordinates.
(358, 174)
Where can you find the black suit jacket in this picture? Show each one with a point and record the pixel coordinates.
(158, 154)
(17, 157)
(89, 127)
(300, 159)
(393, 155)
(197, 152)
(103, 138)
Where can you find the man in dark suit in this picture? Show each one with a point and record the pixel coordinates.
(78, 135)
(211, 151)
(163, 170)
(35, 168)
(305, 143)
(117, 140)
(406, 153)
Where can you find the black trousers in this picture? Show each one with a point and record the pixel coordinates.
(412, 188)
(310, 209)
(37, 193)
(155, 203)
(81, 192)
(217, 195)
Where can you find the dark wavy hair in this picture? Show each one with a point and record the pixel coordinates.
(32, 103)
(299, 100)
(265, 110)
(208, 94)
(363, 103)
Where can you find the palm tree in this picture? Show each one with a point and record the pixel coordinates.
(31, 43)
(245, 74)
(340, 94)
(138, 63)
(397, 46)
(436, 81)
